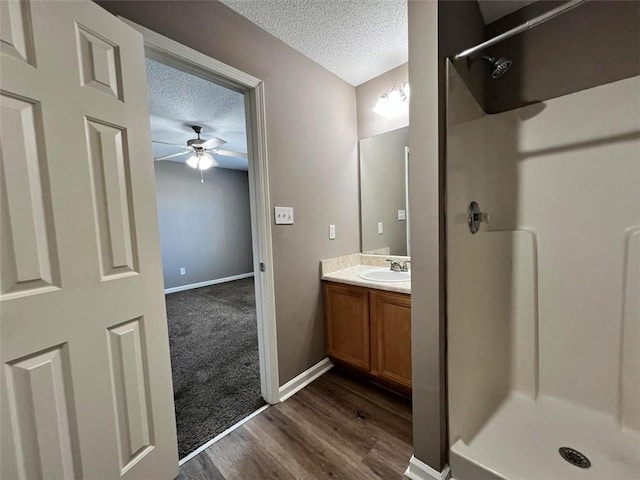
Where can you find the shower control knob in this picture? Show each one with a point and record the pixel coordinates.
(483, 217)
(475, 217)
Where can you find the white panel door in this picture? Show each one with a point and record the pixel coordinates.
(85, 380)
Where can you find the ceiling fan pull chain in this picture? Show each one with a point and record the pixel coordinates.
(201, 176)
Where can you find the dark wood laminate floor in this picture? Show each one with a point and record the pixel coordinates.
(337, 428)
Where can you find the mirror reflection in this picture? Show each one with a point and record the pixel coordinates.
(384, 202)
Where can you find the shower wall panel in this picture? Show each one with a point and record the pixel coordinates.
(579, 191)
(565, 174)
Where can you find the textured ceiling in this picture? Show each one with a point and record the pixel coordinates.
(355, 39)
(494, 9)
(178, 100)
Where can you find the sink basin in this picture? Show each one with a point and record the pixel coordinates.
(385, 275)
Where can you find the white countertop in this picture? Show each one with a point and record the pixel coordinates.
(350, 276)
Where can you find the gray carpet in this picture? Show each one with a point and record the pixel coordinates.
(214, 358)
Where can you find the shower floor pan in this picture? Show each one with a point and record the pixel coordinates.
(521, 441)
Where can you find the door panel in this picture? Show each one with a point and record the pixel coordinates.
(113, 209)
(29, 256)
(130, 384)
(99, 63)
(86, 380)
(16, 38)
(42, 416)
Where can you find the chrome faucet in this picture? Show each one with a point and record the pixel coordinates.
(395, 266)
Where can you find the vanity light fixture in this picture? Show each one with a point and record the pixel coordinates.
(393, 102)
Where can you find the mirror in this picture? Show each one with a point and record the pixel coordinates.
(384, 201)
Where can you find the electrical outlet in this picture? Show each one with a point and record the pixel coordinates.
(332, 232)
(380, 228)
(402, 214)
(183, 271)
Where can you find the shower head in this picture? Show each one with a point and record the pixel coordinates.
(499, 65)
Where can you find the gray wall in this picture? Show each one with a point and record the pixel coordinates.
(436, 30)
(460, 26)
(368, 93)
(204, 227)
(310, 112)
(595, 43)
(427, 283)
(383, 192)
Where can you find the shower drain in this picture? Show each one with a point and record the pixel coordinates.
(574, 457)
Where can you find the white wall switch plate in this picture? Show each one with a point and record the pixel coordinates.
(332, 232)
(402, 214)
(183, 271)
(380, 228)
(284, 215)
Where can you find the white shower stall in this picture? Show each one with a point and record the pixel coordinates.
(544, 301)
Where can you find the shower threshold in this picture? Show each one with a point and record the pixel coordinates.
(521, 442)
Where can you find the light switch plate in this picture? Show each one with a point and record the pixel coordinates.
(284, 215)
(332, 232)
(402, 214)
(380, 228)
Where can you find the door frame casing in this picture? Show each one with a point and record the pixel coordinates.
(186, 59)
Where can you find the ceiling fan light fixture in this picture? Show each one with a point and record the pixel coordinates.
(201, 160)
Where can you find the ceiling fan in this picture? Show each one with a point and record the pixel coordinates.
(201, 151)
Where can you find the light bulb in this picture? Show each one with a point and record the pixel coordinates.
(395, 96)
(192, 161)
(394, 102)
(206, 161)
(382, 105)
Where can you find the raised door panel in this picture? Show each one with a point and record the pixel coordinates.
(347, 314)
(127, 345)
(16, 39)
(42, 415)
(109, 165)
(28, 262)
(99, 61)
(391, 317)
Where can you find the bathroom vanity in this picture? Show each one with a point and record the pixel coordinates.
(368, 324)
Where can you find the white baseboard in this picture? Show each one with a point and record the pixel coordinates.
(418, 470)
(305, 378)
(182, 288)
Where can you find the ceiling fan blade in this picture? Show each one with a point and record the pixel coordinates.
(229, 153)
(166, 157)
(172, 144)
(213, 142)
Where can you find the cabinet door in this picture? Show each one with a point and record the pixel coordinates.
(347, 313)
(391, 324)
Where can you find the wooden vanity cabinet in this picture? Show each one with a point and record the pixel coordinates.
(369, 330)
(348, 328)
(390, 324)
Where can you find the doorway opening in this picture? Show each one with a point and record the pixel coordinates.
(202, 191)
(207, 124)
